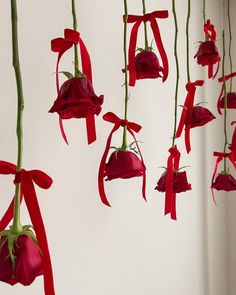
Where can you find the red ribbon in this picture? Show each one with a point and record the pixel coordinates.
(131, 128)
(61, 45)
(170, 197)
(220, 156)
(186, 116)
(221, 80)
(27, 180)
(209, 30)
(138, 19)
(233, 142)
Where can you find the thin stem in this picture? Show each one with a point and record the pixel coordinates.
(177, 70)
(230, 46)
(204, 11)
(187, 39)
(75, 27)
(124, 143)
(17, 227)
(225, 102)
(145, 27)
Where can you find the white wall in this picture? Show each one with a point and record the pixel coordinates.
(130, 248)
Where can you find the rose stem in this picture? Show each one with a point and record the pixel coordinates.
(177, 70)
(230, 46)
(75, 27)
(145, 27)
(225, 102)
(187, 39)
(17, 227)
(124, 143)
(204, 11)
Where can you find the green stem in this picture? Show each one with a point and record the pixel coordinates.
(225, 102)
(145, 27)
(17, 227)
(230, 46)
(75, 27)
(204, 11)
(177, 70)
(124, 143)
(187, 39)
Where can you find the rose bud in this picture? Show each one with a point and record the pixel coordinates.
(207, 54)
(27, 261)
(76, 99)
(180, 182)
(231, 101)
(200, 116)
(123, 164)
(147, 65)
(224, 182)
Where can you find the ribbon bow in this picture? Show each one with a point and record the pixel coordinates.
(220, 156)
(222, 80)
(186, 116)
(131, 128)
(209, 30)
(170, 196)
(138, 19)
(61, 45)
(27, 180)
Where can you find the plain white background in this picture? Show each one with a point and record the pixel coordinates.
(130, 248)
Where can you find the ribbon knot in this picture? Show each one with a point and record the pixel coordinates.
(131, 128)
(27, 191)
(137, 20)
(186, 115)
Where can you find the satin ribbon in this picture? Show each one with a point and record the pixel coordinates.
(220, 156)
(61, 45)
(170, 196)
(137, 20)
(209, 30)
(221, 80)
(131, 128)
(233, 142)
(26, 179)
(186, 116)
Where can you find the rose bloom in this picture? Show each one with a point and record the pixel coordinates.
(123, 164)
(207, 54)
(28, 261)
(224, 182)
(201, 116)
(147, 65)
(231, 101)
(76, 99)
(180, 183)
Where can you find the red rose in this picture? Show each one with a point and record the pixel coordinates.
(207, 54)
(224, 182)
(147, 65)
(231, 101)
(28, 262)
(123, 164)
(200, 116)
(180, 183)
(76, 99)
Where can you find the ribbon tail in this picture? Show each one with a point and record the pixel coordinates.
(187, 139)
(37, 221)
(181, 123)
(86, 62)
(210, 71)
(62, 130)
(217, 70)
(101, 187)
(132, 49)
(173, 206)
(169, 185)
(157, 36)
(91, 129)
(219, 99)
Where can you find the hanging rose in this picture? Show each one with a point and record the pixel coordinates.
(76, 97)
(125, 162)
(207, 54)
(232, 146)
(200, 116)
(145, 64)
(20, 259)
(230, 96)
(224, 182)
(173, 181)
